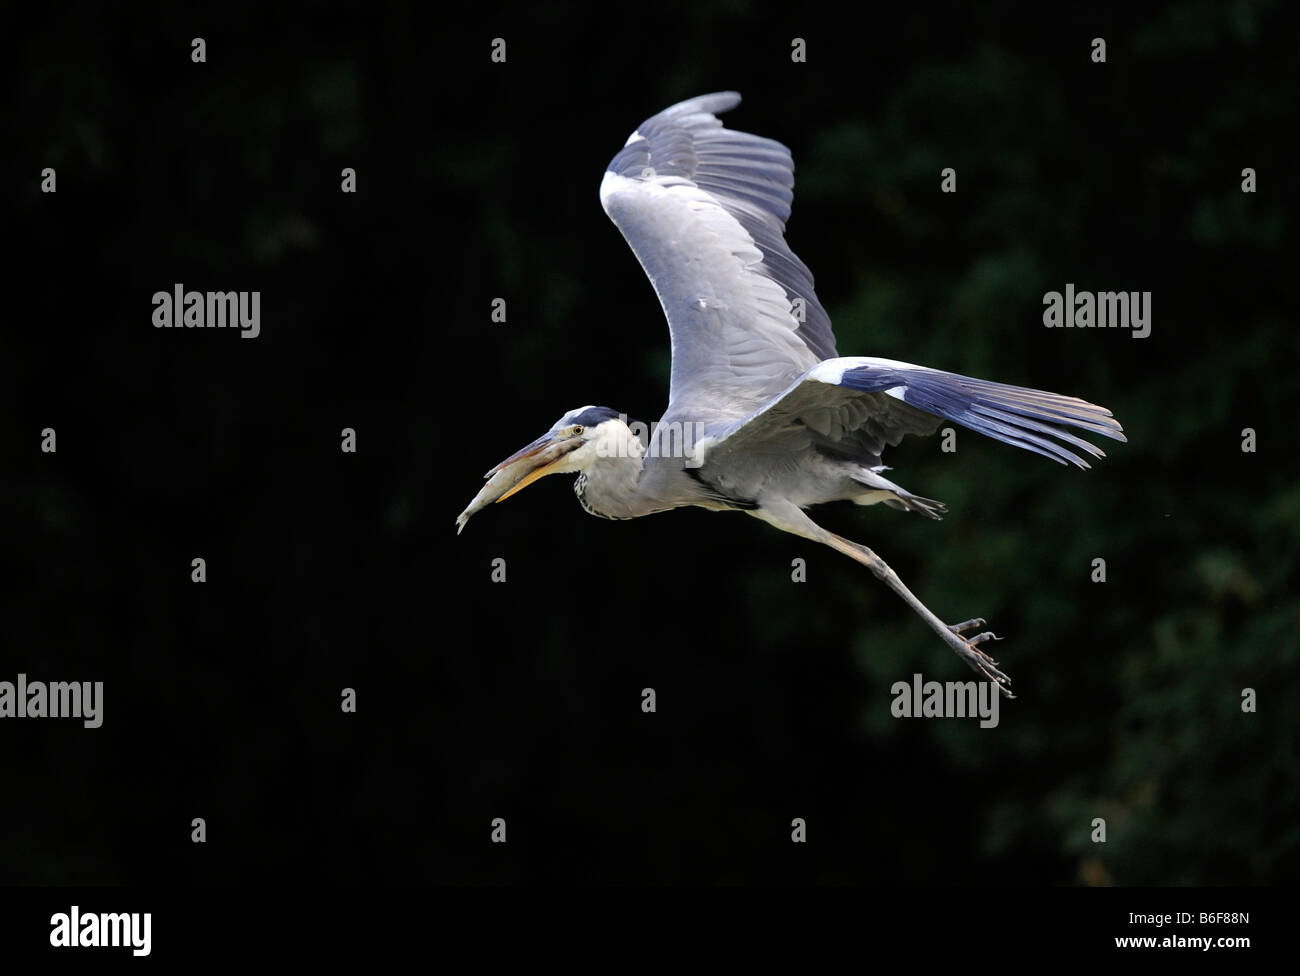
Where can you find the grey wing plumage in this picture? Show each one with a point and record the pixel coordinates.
(860, 405)
(704, 209)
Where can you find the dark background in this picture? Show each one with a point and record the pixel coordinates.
(522, 700)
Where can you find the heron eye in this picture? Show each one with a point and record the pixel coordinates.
(577, 430)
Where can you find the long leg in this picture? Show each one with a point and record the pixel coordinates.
(967, 649)
(791, 519)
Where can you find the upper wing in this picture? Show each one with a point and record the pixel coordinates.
(704, 209)
(863, 404)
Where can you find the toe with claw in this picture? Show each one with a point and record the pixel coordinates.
(967, 649)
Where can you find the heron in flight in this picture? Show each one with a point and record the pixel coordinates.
(764, 416)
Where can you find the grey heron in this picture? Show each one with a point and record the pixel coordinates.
(764, 416)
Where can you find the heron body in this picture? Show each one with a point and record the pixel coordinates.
(781, 421)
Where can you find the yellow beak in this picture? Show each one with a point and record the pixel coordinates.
(528, 479)
(520, 470)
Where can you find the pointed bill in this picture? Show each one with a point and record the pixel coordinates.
(517, 472)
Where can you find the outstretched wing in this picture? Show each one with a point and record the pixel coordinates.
(862, 404)
(704, 209)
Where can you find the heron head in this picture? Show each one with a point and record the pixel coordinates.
(573, 444)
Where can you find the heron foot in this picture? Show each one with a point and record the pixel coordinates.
(967, 649)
